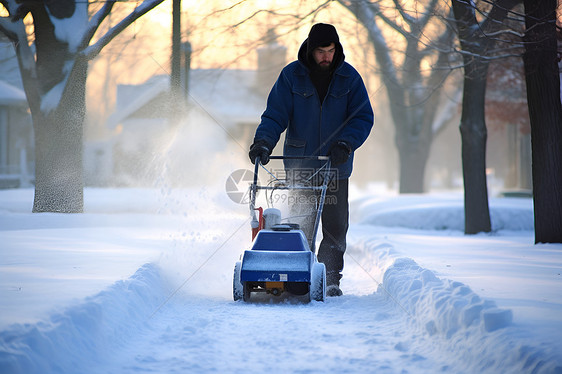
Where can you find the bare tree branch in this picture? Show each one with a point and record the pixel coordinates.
(430, 8)
(410, 20)
(95, 22)
(15, 31)
(93, 50)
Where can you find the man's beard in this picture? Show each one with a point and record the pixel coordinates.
(324, 67)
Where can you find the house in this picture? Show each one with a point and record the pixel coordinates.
(16, 138)
(222, 106)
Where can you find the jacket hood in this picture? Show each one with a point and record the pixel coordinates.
(321, 35)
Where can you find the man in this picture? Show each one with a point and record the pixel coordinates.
(323, 104)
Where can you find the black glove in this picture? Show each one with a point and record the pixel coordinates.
(260, 149)
(339, 152)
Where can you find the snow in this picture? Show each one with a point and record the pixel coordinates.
(51, 100)
(10, 95)
(142, 282)
(66, 29)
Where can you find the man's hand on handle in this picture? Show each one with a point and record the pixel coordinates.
(339, 152)
(260, 149)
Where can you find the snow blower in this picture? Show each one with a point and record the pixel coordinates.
(281, 260)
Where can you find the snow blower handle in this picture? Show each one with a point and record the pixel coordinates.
(257, 222)
(254, 186)
(319, 158)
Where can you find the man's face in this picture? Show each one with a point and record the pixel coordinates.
(323, 56)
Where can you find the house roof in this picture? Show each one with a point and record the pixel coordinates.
(132, 97)
(228, 96)
(10, 95)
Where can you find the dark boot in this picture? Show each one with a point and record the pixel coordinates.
(333, 283)
(333, 290)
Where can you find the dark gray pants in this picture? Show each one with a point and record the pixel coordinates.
(335, 222)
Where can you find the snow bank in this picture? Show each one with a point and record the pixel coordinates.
(443, 306)
(483, 336)
(442, 212)
(78, 337)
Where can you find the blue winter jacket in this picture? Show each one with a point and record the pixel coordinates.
(313, 127)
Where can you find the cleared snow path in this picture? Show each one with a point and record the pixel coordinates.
(176, 314)
(414, 323)
(350, 334)
(127, 330)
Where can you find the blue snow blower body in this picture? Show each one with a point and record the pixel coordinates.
(278, 256)
(280, 260)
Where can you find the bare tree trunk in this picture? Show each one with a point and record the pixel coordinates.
(474, 136)
(175, 76)
(413, 153)
(473, 123)
(545, 110)
(54, 79)
(59, 179)
(58, 165)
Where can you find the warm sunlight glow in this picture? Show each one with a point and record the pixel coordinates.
(222, 34)
(226, 34)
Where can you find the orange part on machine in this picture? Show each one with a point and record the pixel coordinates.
(255, 230)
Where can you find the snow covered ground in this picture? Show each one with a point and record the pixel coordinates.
(142, 282)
